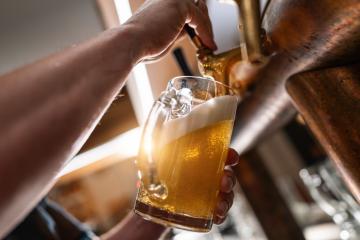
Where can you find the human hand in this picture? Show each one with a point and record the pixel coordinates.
(158, 23)
(226, 195)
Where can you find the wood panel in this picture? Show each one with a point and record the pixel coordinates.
(329, 101)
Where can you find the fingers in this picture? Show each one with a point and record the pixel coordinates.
(233, 157)
(203, 8)
(225, 202)
(198, 19)
(228, 181)
(218, 220)
(226, 196)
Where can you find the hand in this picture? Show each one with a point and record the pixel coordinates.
(158, 23)
(226, 195)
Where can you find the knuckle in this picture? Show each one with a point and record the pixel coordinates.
(229, 172)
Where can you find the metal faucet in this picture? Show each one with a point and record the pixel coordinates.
(234, 67)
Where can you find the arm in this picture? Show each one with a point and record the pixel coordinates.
(49, 108)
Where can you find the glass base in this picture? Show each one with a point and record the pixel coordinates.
(172, 219)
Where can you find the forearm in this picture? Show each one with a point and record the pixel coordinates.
(47, 111)
(134, 227)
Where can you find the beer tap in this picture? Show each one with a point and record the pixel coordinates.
(217, 66)
(235, 67)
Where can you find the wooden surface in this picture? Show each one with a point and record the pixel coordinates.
(329, 101)
(265, 199)
(304, 34)
(118, 119)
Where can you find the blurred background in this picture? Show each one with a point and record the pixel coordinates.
(99, 185)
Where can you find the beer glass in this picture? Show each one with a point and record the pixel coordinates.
(183, 151)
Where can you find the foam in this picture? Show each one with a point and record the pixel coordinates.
(212, 111)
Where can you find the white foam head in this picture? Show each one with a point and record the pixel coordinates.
(212, 111)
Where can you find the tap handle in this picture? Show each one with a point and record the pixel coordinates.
(190, 31)
(194, 38)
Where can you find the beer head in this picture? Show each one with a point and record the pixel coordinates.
(210, 112)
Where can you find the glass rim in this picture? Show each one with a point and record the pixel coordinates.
(204, 78)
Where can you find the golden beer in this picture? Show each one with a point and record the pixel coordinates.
(190, 154)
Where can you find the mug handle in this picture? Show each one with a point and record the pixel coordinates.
(146, 161)
(171, 104)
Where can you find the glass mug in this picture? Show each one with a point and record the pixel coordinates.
(183, 151)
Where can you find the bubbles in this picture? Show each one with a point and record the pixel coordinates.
(210, 112)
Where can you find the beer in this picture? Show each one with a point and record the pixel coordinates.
(191, 152)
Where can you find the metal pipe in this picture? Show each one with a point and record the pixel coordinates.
(249, 11)
(304, 34)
